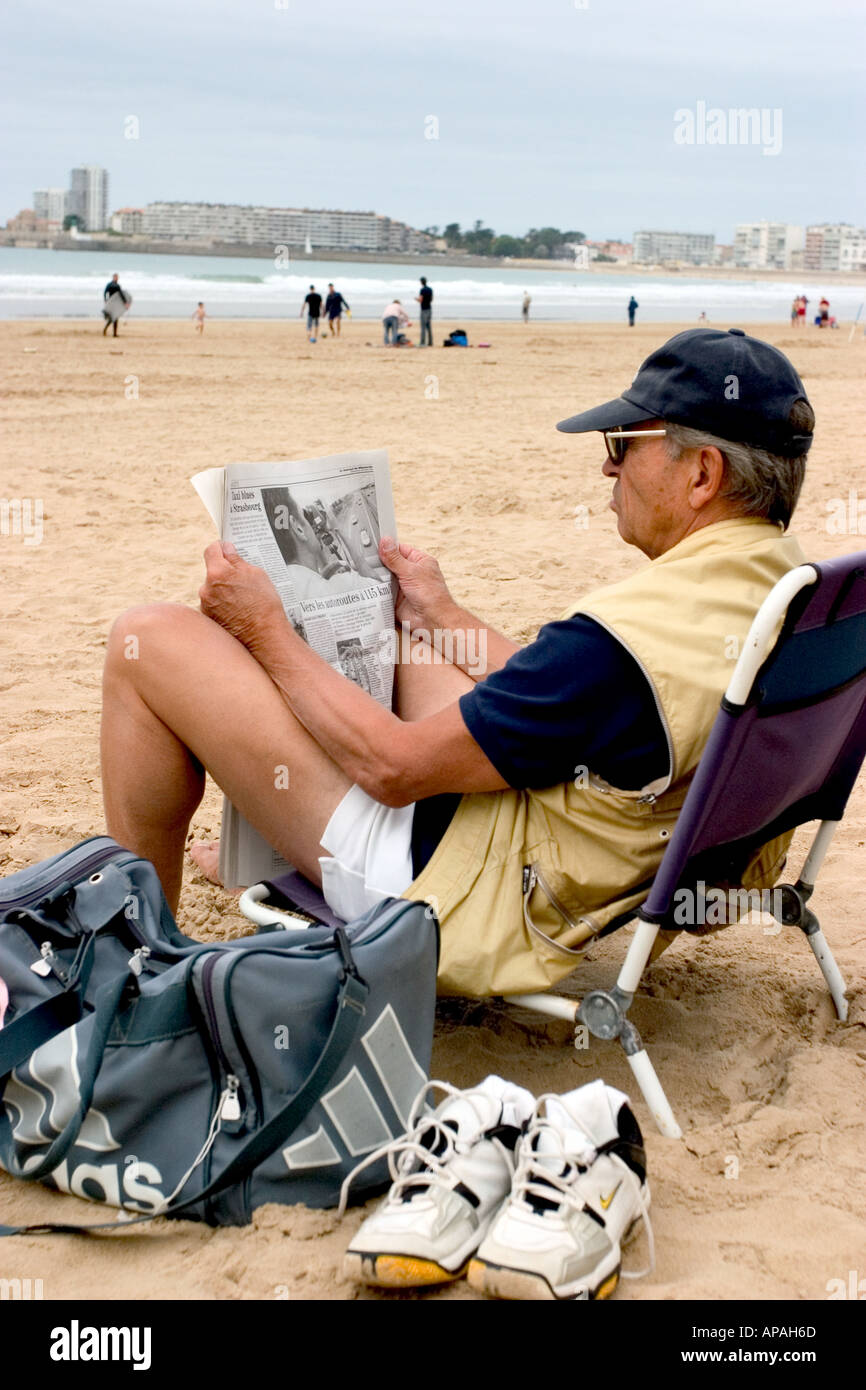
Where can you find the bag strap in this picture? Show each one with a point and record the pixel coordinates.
(350, 1010)
(44, 1021)
(106, 1004)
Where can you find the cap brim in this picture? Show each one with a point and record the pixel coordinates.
(611, 416)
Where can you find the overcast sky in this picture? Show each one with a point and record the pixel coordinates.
(548, 113)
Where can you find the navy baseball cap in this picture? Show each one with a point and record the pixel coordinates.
(725, 383)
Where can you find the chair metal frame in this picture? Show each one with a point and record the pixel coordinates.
(605, 1012)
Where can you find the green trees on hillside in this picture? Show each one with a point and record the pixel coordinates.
(539, 242)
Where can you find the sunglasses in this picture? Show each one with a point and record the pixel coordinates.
(614, 441)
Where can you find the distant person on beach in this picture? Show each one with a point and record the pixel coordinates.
(199, 315)
(113, 308)
(312, 306)
(801, 312)
(702, 317)
(394, 320)
(527, 300)
(823, 313)
(795, 312)
(425, 299)
(632, 306)
(334, 306)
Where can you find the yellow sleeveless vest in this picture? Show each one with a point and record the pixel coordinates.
(522, 880)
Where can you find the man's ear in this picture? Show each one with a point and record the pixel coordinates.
(708, 476)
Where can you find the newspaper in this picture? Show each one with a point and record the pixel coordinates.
(313, 525)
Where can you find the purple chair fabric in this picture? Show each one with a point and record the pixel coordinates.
(792, 753)
(293, 890)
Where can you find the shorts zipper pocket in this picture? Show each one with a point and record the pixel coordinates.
(581, 929)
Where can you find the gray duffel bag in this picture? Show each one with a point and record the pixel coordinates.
(174, 1077)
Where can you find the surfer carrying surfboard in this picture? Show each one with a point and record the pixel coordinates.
(115, 301)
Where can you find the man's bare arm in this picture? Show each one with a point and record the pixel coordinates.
(394, 761)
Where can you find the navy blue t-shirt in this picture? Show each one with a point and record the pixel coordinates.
(573, 698)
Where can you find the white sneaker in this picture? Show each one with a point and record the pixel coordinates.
(579, 1187)
(452, 1171)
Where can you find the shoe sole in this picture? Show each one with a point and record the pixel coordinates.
(499, 1281)
(389, 1271)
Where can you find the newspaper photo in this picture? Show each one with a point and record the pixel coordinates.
(313, 526)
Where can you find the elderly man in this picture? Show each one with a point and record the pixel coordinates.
(531, 803)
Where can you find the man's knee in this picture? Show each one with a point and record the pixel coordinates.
(147, 631)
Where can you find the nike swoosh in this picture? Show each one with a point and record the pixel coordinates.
(606, 1201)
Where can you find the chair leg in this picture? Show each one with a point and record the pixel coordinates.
(552, 1004)
(795, 913)
(651, 1087)
(605, 1015)
(637, 956)
(830, 970)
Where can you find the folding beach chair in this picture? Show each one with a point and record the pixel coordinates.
(786, 748)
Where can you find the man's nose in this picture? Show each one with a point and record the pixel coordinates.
(609, 468)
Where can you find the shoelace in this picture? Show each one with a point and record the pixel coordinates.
(534, 1179)
(403, 1152)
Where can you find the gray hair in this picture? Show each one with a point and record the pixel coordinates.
(756, 483)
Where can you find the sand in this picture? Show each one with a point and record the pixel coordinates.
(766, 1196)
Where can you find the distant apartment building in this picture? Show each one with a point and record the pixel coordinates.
(127, 220)
(50, 204)
(767, 245)
(657, 248)
(263, 226)
(835, 246)
(724, 255)
(88, 196)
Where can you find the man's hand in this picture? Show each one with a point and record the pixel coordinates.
(238, 596)
(423, 601)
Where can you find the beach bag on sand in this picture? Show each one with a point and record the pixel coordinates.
(182, 1078)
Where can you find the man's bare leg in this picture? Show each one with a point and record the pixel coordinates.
(181, 696)
(419, 691)
(425, 689)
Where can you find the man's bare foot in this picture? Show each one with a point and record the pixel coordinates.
(205, 854)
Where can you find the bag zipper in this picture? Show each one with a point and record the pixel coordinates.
(229, 1105)
(47, 964)
(138, 959)
(232, 1103)
(44, 892)
(38, 897)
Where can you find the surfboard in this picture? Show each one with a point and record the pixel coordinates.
(116, 305)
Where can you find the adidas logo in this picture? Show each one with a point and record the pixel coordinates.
(44, 1094)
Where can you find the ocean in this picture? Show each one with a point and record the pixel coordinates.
(69, 284)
